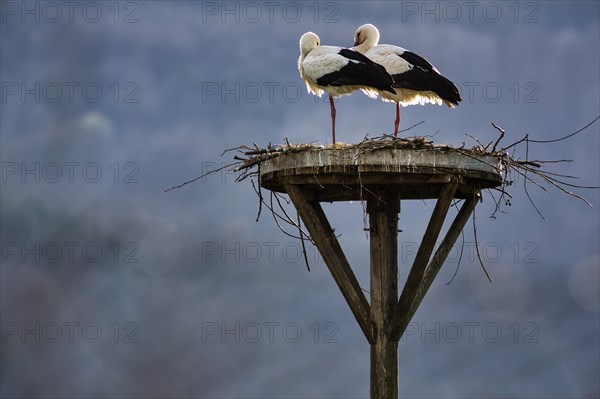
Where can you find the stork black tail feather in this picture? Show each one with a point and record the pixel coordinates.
(447, 90)
(420, 80)
(423, 76)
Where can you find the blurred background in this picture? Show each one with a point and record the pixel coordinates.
(112, 288)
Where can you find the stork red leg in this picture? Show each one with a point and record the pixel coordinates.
(397, 121)
(332, 118)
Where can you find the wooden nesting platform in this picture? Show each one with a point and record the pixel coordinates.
(383, 177)
(341, 174)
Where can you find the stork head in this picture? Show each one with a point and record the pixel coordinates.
(366, 36)
(308, 42)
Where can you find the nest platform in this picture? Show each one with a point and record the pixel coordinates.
(342, 174)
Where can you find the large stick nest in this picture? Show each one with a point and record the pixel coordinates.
(248, 160)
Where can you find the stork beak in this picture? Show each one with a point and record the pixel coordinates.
(356, 43)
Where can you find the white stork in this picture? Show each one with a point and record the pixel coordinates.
(339, 71)
(416, 81)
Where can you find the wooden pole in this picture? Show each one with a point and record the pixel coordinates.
(383, 212)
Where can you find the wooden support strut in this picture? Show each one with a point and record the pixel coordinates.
(425, 249)
(403, 315)
(326, 242)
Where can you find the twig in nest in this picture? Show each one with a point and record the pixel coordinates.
(525, 183)
(276, 195)
(200, 177)
(240, 148)
(288, 219)
(499, 137)
(477, 140)
(514, 144)
(462, 247)
(477, 249)
(302, 242)
(260, 197)
(275, 215)
(498, 201)
(411, 127)
(567, 136)
(557, 184)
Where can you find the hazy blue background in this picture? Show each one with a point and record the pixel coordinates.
(140, 293)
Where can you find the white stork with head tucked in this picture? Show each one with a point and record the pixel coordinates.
(416, 81)
(339, 71)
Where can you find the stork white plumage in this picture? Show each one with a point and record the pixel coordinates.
(338, 71)
(416, 80)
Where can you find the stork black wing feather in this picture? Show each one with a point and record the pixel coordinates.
(360, 70)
